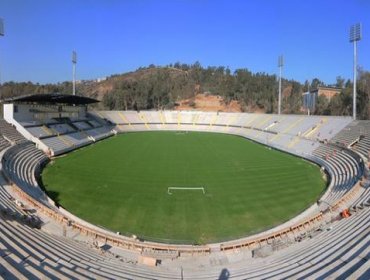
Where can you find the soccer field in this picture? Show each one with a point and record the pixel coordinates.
(122, 184)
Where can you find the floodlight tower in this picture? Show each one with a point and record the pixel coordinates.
(1, 34)
(354, 37)
(74, 61)
(1, 27)
(280, 65)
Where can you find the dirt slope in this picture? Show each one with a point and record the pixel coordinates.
(204, 102)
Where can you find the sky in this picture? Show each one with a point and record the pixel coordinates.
(117, 36)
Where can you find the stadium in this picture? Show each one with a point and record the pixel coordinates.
(88, 194)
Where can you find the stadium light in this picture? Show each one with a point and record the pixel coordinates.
(74, 61)
(1, 27)
(280, 65)
(1, 34)
(355, 36)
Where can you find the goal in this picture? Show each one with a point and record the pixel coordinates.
(170, 189)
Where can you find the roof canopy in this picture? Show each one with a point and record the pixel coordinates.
(53, 98)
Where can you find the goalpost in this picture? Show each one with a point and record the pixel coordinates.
(186, 189)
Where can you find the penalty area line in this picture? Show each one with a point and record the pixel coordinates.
(171, 189)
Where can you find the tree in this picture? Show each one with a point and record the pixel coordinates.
(306, 86)
(340, 82)
(363, 95)
(109, 101)
(321, 107)
(315, 83)
(161, 87)
(294, 100)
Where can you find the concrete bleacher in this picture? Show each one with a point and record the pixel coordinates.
(99, 133)
(339, 248)
(61, 128)
(295, 133)
(3, 143)
(82, 125)
(40, 131)
(9, 133)
(77, 139)
(57, 145)
(346, 169)
(94, 123)
(30, 253)
(21, 164)
(355, 135)
(343, 247)
(364, 199)
(342, 250)
(74, 139)
(63, 136)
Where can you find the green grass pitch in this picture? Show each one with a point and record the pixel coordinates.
(121, 184)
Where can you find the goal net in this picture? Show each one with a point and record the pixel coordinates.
(170, 190)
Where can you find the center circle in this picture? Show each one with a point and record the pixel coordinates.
(182, 187)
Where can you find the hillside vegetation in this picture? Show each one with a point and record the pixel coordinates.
(169, 87)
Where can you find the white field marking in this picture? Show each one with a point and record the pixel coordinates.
(186, 189)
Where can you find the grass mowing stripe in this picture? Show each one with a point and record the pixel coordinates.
(121, 183)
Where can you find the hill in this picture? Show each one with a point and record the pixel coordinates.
(185, 87)
(191, 87)
(100, 89)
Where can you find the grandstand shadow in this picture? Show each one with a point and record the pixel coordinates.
(225, 274)
(105, 247)
(54, 196)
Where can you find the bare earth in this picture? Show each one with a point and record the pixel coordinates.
(208, 103)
